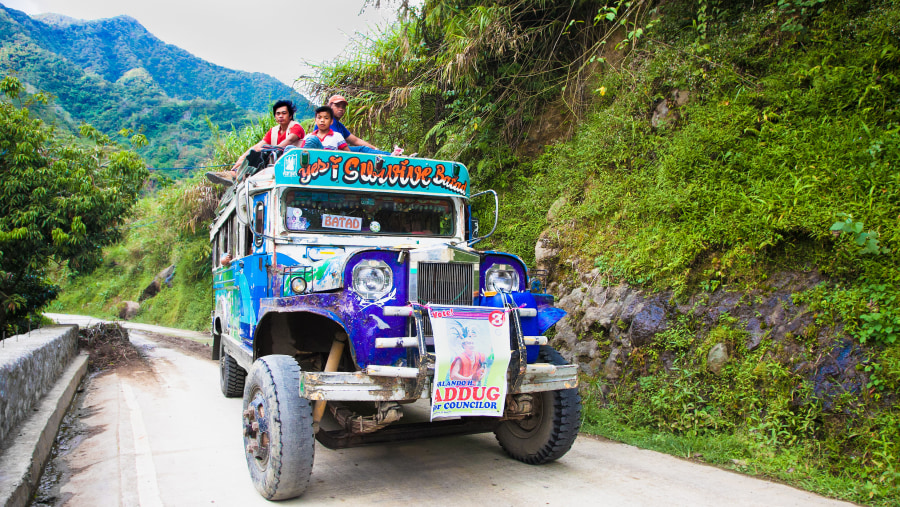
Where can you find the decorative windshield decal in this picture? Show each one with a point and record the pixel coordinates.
(295, 220)
(358, 170)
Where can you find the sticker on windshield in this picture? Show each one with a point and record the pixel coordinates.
(339, 222)
(295, 220)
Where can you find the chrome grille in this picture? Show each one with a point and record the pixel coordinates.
(445, 283)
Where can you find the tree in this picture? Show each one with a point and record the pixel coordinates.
(62, 201)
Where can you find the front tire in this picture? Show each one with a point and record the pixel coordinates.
(551, 430)
(231, 376)
(279, 442)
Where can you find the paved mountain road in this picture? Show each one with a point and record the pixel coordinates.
(161, 433)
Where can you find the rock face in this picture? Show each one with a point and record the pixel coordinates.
(545, 251)
(717, 357)
(163, 277)
(150, 291)
(128, 309)
(668, 110)
(608, 325)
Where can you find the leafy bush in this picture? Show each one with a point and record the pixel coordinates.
(63, 201)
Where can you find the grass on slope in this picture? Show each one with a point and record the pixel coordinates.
(159, 236)
(783, 157)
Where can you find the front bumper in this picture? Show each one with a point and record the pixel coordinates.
(359, 386)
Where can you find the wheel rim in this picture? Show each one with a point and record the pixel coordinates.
(256, 430)
(524, 428)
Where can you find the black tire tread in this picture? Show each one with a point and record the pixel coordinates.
(292, 450)
(232, 376)
(566, 405)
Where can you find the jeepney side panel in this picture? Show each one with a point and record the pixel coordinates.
(251, 279)
(363, 320)
(227, 301)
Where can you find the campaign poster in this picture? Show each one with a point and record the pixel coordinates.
(471, 346)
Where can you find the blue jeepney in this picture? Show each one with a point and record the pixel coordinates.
(335, 266)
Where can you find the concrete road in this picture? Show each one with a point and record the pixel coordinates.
(162, 434)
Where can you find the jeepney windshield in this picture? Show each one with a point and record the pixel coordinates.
(307, 210)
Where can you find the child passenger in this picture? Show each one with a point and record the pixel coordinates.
(324, 138)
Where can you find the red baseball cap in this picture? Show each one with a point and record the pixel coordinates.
(337, 99)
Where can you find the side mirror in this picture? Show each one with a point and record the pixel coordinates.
(475, 237)
(242, 205)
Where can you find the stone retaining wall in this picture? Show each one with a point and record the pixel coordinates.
(30, 365)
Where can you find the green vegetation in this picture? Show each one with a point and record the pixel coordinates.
(62, 199)
(696, 146)
(760, 414)
(168, 228)
(713, 143)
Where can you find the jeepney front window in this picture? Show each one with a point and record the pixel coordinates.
(323, 211)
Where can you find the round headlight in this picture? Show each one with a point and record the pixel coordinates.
(372, 279)
(298, 285)
(501, 278)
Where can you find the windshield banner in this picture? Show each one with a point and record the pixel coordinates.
(471, 346)
(345, 169)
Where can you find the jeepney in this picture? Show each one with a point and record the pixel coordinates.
(348, 292)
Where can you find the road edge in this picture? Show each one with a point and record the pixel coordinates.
(22, 462)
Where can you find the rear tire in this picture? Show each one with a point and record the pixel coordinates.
(231, 376)
(279, 441)
(550, 432)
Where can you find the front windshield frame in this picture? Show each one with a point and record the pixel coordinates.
(307, 210)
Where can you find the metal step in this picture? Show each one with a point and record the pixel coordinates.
(392, 371)
(400, 341)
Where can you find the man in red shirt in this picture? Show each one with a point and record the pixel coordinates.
(286, 132)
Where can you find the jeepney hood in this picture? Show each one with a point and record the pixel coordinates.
(328, 263)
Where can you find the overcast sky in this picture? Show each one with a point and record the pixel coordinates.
(277, 38)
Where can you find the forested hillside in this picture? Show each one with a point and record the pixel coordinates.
(712, 187)
(114, 75)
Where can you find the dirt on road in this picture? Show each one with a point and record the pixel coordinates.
(108, 346)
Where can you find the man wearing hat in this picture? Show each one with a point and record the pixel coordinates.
(338, 104)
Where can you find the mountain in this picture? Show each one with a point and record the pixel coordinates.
(114, 74)
(111, 47)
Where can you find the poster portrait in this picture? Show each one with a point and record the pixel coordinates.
(472, 353)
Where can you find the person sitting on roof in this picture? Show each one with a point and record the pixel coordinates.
(338, 105)
(286, 132)
(324, 138)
